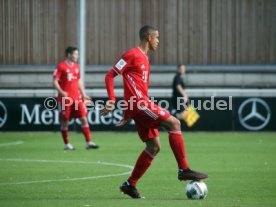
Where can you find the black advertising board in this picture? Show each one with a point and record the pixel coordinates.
(216, 114)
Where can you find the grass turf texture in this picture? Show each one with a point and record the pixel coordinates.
(241, 167)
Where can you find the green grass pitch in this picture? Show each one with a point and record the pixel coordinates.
(37, 172)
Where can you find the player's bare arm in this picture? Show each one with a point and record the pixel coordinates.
(85, 98)
(182, 92)
(109, 107)
(82, 91)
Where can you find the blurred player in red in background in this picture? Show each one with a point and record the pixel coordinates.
(135, 69)
(71, 97)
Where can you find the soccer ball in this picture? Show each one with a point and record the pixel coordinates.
(196, 190)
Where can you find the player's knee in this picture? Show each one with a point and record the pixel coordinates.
(154, 150)
(83, 121)
(157, 149)
(175, 124)
(64, 123)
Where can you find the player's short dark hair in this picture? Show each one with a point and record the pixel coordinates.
(145, 31)
(70, 50)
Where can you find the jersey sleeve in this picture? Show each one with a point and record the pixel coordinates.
(179, 81)
(124, 63)
(109, 82)
(57, 72)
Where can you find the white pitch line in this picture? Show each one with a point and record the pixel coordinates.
(11, 143)
(67, 179)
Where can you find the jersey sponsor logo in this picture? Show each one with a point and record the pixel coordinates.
(145, 76)
(70, 76)
(121, 64)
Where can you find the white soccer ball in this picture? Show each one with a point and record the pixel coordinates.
(196, 190)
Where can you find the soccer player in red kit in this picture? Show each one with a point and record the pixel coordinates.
(135, 69)
(71, 97)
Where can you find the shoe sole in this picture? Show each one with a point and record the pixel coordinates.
(142, 197)
(185, 179)
(92, 148)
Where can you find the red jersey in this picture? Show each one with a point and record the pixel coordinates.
(135, 69)
(68, 76)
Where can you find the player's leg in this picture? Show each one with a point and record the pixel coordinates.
(144, 160)
(80, 112)
(64, 122)
(178, 147)
(64, 132)
(142, 164)
(87, 134)
(176, 141)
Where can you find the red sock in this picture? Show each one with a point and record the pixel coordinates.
(86, 131)
(141, 166)
(64, 133)
(178, 148)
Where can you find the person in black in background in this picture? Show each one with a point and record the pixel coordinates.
(179, 92)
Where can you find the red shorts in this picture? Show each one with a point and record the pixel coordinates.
(76, 110)
(147, 120)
